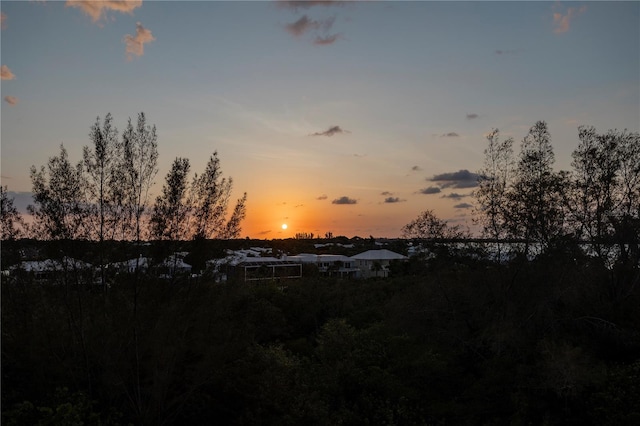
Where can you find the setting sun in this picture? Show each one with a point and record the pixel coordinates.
(284, 226)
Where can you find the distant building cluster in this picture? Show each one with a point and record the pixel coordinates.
(246, 265)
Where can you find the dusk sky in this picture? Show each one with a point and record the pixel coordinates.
(349, 117)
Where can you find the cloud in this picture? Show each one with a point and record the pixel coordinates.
(459, 179)
(449, 135)
(98, 9)
(562, 22)
(463, 206)
(11, 100)
(386, 193)
(344, 200)
(330, 131)
(472, 116)
(264, 232)
(416, 168)
(455, 196)
(306, 4)
(391, 200)
(322, 197)
(135, 45)
(323, 41)
(430, 190)
(304, 24)
(6, 73)
(3, 20)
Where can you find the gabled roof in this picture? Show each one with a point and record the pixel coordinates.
(316, 258)
(383, 254)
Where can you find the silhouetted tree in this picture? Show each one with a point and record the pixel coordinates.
(428, 226)
(535, 197)
(233, 228)
(595, 165)
(493, 184)
(11, 220)
(139, 167)
(171, 209)
(99, 162)
(59, 194)
(210, 193)
(605, 191)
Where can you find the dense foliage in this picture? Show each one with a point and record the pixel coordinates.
(449, 341)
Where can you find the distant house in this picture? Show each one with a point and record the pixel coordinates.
(264, 269)
(49, 269)
(330, 264)
(174, 265)
(375, 263)
(129, 266)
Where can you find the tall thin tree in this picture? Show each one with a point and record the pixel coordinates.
(99, 161)
(491, 194)
(139, 168)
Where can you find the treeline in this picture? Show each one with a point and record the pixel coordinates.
(452, 341)
(105, 196)
(521, 198)
(598, 201)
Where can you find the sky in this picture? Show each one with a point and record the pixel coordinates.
(342, 117)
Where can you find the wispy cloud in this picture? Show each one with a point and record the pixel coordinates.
(391, 200)
(455, 196)
(322, 197)
(301, 26)
(264, 232)
(562, 22)
(6, 74)
(323, 41)
(344, 200)
(386, 193)
(305, 24)
(472, 116)
(463, 206)
(99, 9)
(430, 190)
(449, 135)
(3, 20)
(11, 100)
(135, 44)
(416, 169)
(330, 131)
(306, 4)
(459, 179)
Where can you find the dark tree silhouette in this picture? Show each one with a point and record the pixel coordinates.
(169, 219)
(534, 200)
(59, 194)
(100, 160)
(10, 218)
(491, 194)
(140, 157)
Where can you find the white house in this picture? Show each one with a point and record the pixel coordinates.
(174, 265)
(375, 263)
(129, 266)
(330, 264)
(43, 270)
(264, 269)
